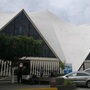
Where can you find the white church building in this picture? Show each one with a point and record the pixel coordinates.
(63, 42)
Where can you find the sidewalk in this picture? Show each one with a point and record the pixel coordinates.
(7, 85)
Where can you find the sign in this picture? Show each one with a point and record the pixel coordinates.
(68, 68)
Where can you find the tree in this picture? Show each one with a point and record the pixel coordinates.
(12, 48)
(62, 65)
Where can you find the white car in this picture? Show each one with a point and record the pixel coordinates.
(79, 78)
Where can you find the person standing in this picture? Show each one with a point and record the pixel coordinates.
(19, 75)
(41, 72)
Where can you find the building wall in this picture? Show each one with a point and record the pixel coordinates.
(85, 65)
(5, 68)
(48, 66)
(34, 67)
(20, 25)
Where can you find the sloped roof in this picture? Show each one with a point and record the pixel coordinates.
(49, 35)
(5, 18)
(70, 43)
(74, 42)
(43, 21)
(69, 37)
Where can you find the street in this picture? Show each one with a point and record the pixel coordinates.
(82, 88)
(7, 85)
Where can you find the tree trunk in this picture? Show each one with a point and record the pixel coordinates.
(12, 74)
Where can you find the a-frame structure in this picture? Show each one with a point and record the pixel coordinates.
(22, 24)
(86, 63)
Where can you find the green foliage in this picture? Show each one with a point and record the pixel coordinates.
(62, 65)
(61, 74)
(14, 47)
(67, 82)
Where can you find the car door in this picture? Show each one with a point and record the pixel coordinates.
(72, 77)
(81, 78)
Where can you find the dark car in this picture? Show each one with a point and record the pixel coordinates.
(79, 78)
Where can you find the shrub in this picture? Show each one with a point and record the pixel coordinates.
(67, 82)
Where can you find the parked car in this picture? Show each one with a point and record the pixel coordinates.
(79, 78)
(87, 70)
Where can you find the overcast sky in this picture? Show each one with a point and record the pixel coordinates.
(73, 11)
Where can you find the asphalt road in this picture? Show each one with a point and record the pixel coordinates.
(7, 85)
(82, 88)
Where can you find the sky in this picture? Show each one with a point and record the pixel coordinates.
(73, 11)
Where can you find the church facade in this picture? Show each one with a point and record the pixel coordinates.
(21, 24)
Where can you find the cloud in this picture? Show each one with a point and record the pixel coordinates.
(73, 11)
(15, 5)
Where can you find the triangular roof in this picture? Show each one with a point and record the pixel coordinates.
(43, 21)
(68, 42)
(6, 18)
(74, 42)
(67, 37)
(51, 42)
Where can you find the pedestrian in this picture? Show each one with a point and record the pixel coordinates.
(41, 72)
(19, 75)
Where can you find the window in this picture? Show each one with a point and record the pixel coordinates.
(82, 74)
(72, 75)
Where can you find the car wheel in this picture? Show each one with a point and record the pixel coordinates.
(88, 84)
